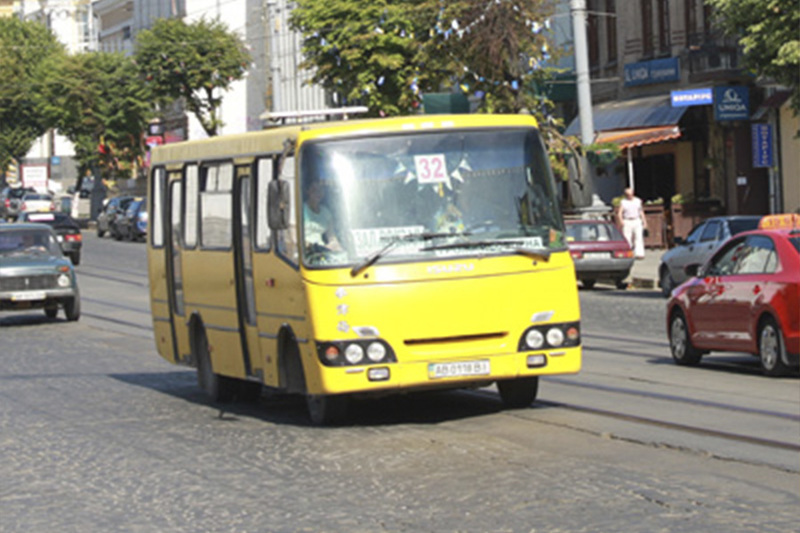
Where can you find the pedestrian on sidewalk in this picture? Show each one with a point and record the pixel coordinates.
(631, 219)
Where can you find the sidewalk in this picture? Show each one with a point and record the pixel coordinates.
(644, 274)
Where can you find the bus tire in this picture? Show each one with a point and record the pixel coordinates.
(220, 389)
(326, 410)
(518, 393)
(290, 366)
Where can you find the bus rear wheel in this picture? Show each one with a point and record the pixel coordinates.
(518, 393)
(326, 410)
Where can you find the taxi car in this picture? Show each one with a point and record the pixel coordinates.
(68, 232)
(745, 298)
(599, 252)
(34, 274)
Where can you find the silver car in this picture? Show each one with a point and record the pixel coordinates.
(698, 246)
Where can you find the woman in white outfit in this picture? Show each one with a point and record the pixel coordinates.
(630, 217)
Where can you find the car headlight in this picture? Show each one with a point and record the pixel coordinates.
(64, 280)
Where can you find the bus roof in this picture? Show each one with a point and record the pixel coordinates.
(272, 140)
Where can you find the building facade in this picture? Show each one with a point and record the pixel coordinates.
(670, 90)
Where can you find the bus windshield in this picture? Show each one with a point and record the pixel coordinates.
(423, 195)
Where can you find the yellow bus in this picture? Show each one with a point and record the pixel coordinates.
(354, 258)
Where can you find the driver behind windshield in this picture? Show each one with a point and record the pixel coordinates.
(318, 220)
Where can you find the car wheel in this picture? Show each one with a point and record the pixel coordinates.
(518, 393)
(680, 343)
(326, 410)
(72, 308)
(220, 389)
(75, 257)
(772, 349)
(51, 312)
(665, 281)
(588, 283)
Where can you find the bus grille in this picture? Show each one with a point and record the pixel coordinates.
(456, 339)
(25, 283)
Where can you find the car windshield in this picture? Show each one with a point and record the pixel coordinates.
(28, 242)
(424, 195)
(593, 232)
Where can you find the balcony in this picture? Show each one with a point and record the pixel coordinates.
(713, 56)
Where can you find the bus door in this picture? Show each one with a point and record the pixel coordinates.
(174, 267)
(245, 288)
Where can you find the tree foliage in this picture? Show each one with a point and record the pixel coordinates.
(99, 102)
(769, 31)
(195, 62)
(25, 48)
(385, 53)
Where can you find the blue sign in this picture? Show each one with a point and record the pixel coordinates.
(692, 97)
(731, 103)
(762, 145)
(655, 71)
(55, 160)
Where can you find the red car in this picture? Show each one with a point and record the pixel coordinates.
(599, 252)
(746, 298)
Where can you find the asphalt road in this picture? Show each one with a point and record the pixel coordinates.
(97, 433)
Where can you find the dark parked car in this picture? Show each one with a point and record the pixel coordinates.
(599, 252)
(67, 231)
(11, 200)
(701, 242)
(132, 225)
(34, 274)
(107, 219)
(746, 298)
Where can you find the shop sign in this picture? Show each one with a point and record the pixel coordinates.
(655, 71)
(692, 97)
(762, 145)
(731, 103)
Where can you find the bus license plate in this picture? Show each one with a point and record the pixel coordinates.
(27, 296)
(458, 369)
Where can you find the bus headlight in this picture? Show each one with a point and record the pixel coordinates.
(376, 352)
(534, 339)
(354, 354)
(555, 337)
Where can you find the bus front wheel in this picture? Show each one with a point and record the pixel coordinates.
(518, 393)
(218, 388)
(326, 410)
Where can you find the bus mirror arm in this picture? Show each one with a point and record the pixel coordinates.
(278, 204)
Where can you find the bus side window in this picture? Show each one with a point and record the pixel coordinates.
(287, 238)
(264, 176)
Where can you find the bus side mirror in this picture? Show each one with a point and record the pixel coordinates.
(278, 204)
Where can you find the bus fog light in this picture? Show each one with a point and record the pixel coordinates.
(376, 352)
(63, 280)
(331, 353)
(380, 373)
(555, 337)
(535, 361)
(354, 354)
(534, 339)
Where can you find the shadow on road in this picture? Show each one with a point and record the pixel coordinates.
(289, 409)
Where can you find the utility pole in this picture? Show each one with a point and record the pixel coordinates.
(578, 11)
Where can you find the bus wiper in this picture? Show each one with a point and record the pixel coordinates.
(519, 248)
(372, 258)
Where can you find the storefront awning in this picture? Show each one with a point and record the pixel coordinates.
(639, 136)
(639, 113)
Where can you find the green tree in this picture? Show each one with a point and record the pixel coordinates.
(99, 102)
(194, 62)
(24, 49)
(384, 53)
(769, 31)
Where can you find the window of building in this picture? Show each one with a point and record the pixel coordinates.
(647, 27)
(592, 35)
(690, 20)
(664, 41)
(611, 30)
